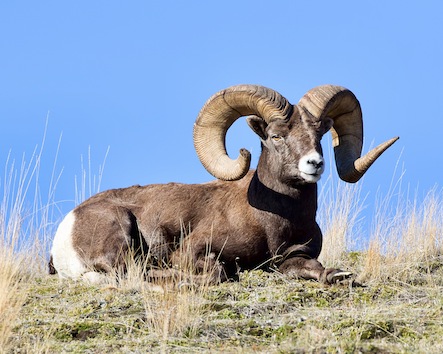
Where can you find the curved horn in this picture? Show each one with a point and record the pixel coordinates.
(220, 112)
(342, 106)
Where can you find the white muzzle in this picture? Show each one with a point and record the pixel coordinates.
(311, 167)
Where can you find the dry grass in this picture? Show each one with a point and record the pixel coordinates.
(25, 230)
(405, 239)
(16, 265)
(408, 242)
(340, 206)
(12, 291)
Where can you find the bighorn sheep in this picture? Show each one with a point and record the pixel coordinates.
(245, 217)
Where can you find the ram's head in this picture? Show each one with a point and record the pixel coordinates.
(320, 109)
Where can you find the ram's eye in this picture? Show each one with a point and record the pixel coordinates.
(276, 137)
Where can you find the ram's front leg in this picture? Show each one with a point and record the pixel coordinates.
(310, 268)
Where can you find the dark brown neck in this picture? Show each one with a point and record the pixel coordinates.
(290, 202)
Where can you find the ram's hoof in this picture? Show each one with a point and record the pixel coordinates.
(340, 276)
(336, 276)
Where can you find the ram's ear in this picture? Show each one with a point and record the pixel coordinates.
(258, 125)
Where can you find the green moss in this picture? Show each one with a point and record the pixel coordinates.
(229, 313)
(355, 257)
(283, 332)
(76, 331)
(376, 330)
(407, 333)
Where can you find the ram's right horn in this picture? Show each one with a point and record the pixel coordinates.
(341, 105)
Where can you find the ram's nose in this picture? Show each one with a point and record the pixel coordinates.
(316, 163)
(311, 166)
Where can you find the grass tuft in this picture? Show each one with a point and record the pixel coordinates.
(406, 244)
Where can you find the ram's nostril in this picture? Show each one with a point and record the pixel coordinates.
(315, 163)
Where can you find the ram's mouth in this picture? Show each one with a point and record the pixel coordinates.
(310, 177)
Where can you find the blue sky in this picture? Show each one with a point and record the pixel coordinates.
(133, 75)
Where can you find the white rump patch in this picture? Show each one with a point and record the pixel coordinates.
(311, 167)
(65, 259)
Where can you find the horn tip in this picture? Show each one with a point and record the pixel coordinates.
(389, 142)
(246, 154)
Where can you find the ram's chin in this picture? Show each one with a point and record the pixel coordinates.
(308, 178)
